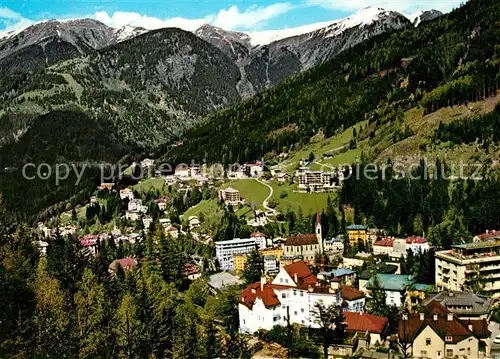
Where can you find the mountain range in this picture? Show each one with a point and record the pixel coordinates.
(242, 94)
(168, 77)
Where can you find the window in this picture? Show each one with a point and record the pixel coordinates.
(448, 338)
(295, 312)
(302, 310)
(449, 352)
(423, 353)
(428, 341)
(301, 294)
(283, 295)
(281, 280)
(286, 281)
(243, 321)
(303, 322)
(294, 292)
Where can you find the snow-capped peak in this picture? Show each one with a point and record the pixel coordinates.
(259, 38)
(365, 16)
(423, 15)
(128, 31)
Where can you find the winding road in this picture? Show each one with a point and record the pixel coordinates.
(264, 204)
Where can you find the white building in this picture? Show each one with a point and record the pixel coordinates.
(415, 244)
(334, 245)
(260, 239)
(132, 215)
(147, 221)
(134, 204)
(254, 169)
(394, 286)
(161, 203)
(270, 264)
(316, 180)
(458, 268)
(293, 293)
(127, 193)
(147, 163)
(354, 299)
(230, 196)
(226, 250)
(384, 246)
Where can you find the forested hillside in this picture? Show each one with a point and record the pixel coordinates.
(451, 60)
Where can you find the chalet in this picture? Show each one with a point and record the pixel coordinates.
(437, 333)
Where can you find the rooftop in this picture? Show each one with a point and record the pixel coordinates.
(462, 302)
(363, 322)
(384, 242)
(301, 240)
(443, 323)
(353, 227)
(393, 282)
(254, 291)
(236, 241)
(223, 279)
(351, 293)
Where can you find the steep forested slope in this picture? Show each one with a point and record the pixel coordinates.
(447, 61)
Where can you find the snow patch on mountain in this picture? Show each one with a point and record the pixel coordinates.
(423, 15)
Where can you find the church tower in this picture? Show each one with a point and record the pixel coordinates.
(319, 234)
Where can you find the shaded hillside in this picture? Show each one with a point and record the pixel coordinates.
(448, 61)
(152, 87)
(60, 137)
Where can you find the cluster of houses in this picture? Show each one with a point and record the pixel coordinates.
(445, 320)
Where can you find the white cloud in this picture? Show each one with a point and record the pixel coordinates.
(232, 18)
(119, 19)
(405, 6)
(253, 17)
(12, 20)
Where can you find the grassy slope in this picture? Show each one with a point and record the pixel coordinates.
(319, 148)
(423, 127)
(251, 190)
(308, 203)
(151, 184)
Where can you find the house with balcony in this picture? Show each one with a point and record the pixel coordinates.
(231, 196)
(466, 266)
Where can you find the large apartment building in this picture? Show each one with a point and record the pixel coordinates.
(229, 253)
(465, 265)
(316, 180)
(225, 251)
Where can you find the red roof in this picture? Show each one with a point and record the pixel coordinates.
(490, 234)
(257, 234)
(415, 239)
(443, 323)
(88, 242)
(190, 269)
(125, 263)
(384, 242)
(254, 291)
(302, 240)
(363, 322)
(351, 293)
(304, 274)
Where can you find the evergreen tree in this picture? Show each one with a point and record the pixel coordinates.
(254, 267)
(331, 321)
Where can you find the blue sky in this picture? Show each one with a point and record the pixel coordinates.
(189, 14)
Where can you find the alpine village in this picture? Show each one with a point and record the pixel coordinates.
(162, 196)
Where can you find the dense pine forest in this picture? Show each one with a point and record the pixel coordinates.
(68, 305)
